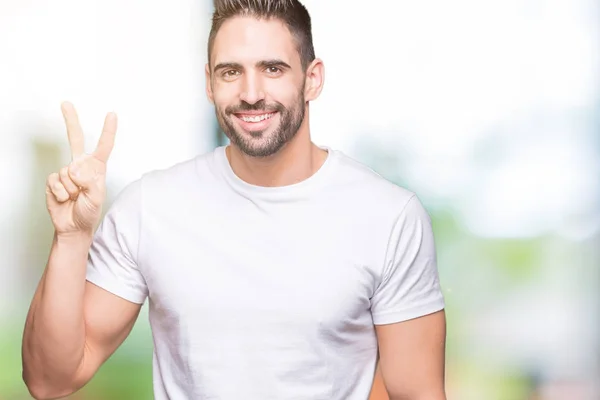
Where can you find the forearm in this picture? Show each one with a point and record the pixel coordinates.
(429, 395)
(432, 396)
(415, 390)
(54, 336)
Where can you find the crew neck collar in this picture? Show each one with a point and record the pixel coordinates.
(276, 192)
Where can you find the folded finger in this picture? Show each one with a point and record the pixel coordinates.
(57, 189)
(68, 183)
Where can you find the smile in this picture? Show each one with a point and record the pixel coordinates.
(255, 118)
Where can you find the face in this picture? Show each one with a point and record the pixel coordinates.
(257, 84)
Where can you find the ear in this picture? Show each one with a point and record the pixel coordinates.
(315, 79)
(209, 92)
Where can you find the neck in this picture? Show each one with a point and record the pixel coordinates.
(298, 160)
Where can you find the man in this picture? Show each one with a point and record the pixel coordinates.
(274, 268)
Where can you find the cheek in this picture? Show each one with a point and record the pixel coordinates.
(225, 93)
(287, 94)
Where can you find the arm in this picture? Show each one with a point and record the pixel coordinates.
(378, 391)
(408, 311)
(73, 326)
(412, 357)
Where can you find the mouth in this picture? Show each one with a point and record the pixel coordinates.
(254, 121)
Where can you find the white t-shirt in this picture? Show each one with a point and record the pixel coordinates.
(261, 293)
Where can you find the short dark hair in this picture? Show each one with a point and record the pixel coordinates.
(291, 12)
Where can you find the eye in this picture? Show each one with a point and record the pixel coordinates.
(232, 73)
(274, 70)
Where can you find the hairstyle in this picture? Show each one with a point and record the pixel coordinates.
(291, 12)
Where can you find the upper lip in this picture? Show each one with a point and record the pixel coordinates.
(251, 113)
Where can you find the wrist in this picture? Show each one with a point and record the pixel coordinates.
(74, 238)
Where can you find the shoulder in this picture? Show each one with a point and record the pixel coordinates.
(160, 179)
(358, 182)
(161, 182)
(178, 177)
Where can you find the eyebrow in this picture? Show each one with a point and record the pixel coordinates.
(260, 64)
(273, 63)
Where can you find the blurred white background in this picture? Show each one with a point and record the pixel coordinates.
(489, 110)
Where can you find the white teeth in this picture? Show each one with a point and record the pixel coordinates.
(256, 118)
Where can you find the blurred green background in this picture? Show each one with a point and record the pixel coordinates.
(490, 111)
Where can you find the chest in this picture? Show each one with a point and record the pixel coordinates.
(296, 271)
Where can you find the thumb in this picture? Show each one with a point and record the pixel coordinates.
(89, 176)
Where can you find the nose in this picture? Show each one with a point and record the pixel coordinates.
(252, 91)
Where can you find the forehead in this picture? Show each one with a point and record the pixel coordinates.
(248, 40)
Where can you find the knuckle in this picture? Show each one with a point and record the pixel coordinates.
(52, 178)
(66, 181)
(57, 186)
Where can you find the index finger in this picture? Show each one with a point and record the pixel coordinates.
(107, 138)
(74, 131)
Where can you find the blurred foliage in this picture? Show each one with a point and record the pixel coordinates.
(126, 375)
(474, 272)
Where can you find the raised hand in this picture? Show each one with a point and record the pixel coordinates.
(75, 194)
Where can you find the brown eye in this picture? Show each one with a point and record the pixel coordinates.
(230, 73)
(273, 70)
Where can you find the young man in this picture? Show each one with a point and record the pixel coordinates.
(274, 268)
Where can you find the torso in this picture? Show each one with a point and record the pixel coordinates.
(260, 297)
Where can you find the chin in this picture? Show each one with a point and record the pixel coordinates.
(259, 148)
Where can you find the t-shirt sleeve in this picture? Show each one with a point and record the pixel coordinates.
(112, 258)
(409, 286)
